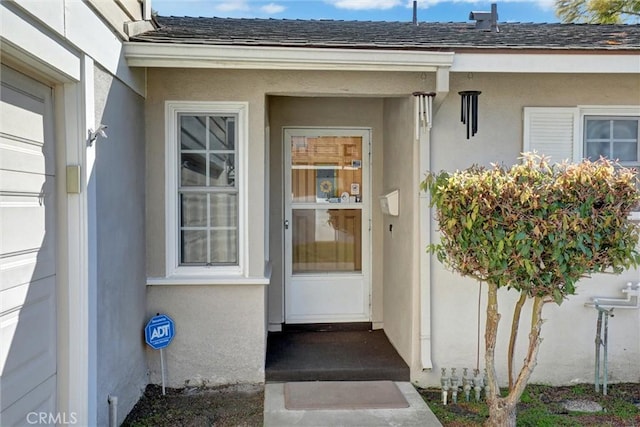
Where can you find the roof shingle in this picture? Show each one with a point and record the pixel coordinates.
(389, 35)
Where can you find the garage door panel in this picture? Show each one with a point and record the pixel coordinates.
(28, 303)
(20, 155)
(25, 267)
(20, 182)
(27, 218)
(38, 401)
(22, 114)
(28, 333)
(17, 238)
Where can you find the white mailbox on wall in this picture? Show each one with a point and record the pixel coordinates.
(389, 203)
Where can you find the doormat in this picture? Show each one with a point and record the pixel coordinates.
(343, 395)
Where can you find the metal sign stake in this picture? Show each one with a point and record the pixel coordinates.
(162, 368)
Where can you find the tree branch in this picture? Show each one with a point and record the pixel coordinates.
(532, 353)
(514, 334)
(491, 332)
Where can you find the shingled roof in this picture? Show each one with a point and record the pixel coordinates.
(389, 35)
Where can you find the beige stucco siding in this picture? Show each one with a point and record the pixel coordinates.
(400, 261)
(567, 352)
(253, 87)
(219, 334)
(276, 99)
(383, 102)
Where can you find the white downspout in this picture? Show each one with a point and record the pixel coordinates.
(113, 410)
(424, 153)
(423, 136)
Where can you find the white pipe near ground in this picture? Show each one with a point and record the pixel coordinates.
(113, 410)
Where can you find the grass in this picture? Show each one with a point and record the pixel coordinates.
(542, 406)
(242, 406)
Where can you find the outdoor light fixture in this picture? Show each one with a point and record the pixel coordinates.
(93, 135)
(424, 111)
(469, 111)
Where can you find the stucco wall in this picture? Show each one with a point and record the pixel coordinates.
(253, 87)
(256, 88)
(219, 334)
(400, 267)
(567, 352)
(323, 112)
(120, 227)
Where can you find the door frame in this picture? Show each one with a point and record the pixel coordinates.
(367, 206)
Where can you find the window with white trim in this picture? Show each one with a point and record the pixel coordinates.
(613, 137)
(574, 133)
(205, 198)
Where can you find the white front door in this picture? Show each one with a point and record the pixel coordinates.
(327, 227)
(27, 251)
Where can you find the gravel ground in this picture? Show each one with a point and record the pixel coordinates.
(227, 406)
(243, 406)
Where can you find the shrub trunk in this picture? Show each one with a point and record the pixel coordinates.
(502, 413)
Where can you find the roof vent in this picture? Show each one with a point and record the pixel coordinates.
(486, 20)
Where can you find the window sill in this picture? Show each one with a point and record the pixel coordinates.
(207, 280)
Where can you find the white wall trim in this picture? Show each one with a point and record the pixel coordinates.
(35, 48)
(88, 32)
(207, 281)
(281, 58)
(74, 374)
(38, 42)
(172, 109)
(90, 303)
(546, 63)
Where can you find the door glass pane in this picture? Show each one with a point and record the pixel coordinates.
(326, 169)
(327, 240)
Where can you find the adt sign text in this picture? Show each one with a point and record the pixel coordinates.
(159, 331)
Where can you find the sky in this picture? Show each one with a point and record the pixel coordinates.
(360, 10)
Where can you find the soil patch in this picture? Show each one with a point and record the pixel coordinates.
(225, 406)
(545, 406)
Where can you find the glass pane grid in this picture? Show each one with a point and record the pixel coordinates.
(208, 193)
(207, 151)
(614, 138)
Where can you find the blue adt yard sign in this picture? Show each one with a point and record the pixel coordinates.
(159, 331)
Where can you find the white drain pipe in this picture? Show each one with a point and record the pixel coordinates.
(113, 410)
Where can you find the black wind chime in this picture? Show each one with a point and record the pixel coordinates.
(469, 111)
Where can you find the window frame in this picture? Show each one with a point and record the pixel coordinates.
(173, 110)
(605, 113)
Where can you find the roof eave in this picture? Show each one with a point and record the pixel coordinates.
(281, 58)
(506, 60)
(548, 62)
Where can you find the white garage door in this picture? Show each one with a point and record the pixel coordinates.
(27, 251)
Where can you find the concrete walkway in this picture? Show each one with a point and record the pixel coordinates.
(417, 414)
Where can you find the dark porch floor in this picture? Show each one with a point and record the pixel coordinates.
(333, 355)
